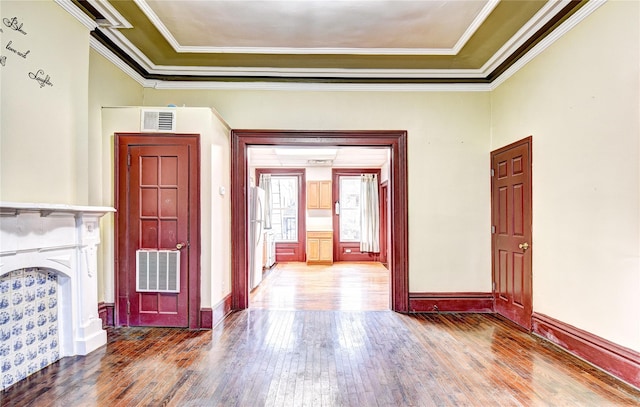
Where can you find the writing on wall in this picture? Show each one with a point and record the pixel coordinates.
(17, 51)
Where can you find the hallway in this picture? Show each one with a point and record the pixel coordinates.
(352, 286)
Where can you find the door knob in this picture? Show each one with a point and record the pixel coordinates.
(524, 246)
(180, 245)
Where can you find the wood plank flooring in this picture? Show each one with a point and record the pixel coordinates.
(353, 286)
(345, 355)
(325, 358)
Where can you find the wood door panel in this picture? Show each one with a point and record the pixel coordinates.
(313, 249)
(161, 224)
(158, 207)
(503, 277)
(511, 218)
(325, 200)
(518, 210)
(518, 289)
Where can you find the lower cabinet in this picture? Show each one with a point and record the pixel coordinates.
(319, 247)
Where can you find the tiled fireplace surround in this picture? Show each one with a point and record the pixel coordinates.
(48, 285)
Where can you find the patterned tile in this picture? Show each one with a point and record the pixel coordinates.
(29, 339)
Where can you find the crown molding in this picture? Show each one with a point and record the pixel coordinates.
(166, 33)
(542, 17)
(113, 17)
(79, 15)
(565, 27)
(114, 59)
(320, 79)
(324, 87)
(473, 27)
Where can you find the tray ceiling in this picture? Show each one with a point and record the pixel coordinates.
(344, 41)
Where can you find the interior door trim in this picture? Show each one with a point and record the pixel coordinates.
(336, 173)
(300, 246)
(395, 140)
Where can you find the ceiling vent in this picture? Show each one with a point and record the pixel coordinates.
(158, 120)
(320, 163)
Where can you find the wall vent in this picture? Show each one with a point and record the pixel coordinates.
(158, 271)
(158, 120)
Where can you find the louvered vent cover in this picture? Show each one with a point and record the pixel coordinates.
(158, 271)
(158, 120)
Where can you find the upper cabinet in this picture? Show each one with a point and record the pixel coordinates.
(319, 195)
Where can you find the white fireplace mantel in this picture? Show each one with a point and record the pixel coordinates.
(45, 209)
(63, 238)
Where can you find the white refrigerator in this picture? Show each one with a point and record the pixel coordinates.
(257, 209)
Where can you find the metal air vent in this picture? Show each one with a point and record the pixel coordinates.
(158, 271)
(158, 120)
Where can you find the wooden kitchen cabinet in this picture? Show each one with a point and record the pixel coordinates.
(319, 195)
(319, 247)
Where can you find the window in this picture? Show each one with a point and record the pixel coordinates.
(284, 217)
(350, 208)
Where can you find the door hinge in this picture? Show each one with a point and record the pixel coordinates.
(493, 285)
(493, 173)
(128, 307)
(493, 229)
(128, 160)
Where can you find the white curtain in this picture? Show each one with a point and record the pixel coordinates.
(369, 214)
(265, 183)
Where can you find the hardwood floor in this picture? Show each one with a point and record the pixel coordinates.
(294, 355)
(325, 358)
(354, 286)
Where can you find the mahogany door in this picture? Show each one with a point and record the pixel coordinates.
(346, 239)
(511, 231)
(156, 208)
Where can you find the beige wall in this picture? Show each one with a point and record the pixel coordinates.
(43, 138)
(108, 86)
(579, 100)
(448, 163)
(215, 207)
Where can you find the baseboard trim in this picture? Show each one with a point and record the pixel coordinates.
(451, 302)
(106, 312)
(614, 359)
(210, 317)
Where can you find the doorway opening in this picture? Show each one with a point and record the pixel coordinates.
(395, 141)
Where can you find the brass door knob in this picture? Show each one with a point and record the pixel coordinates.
(180, 245)
(524, 246)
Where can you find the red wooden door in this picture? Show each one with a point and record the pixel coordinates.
(155, 213)
(511, 238)
(346, 245)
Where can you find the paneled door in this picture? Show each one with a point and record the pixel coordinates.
(156, 252)
(511, 231)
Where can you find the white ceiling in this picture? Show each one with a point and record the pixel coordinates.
(368, 26)
(339, 157)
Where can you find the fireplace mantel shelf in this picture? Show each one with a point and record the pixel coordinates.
(61, 242)
(45, 209)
